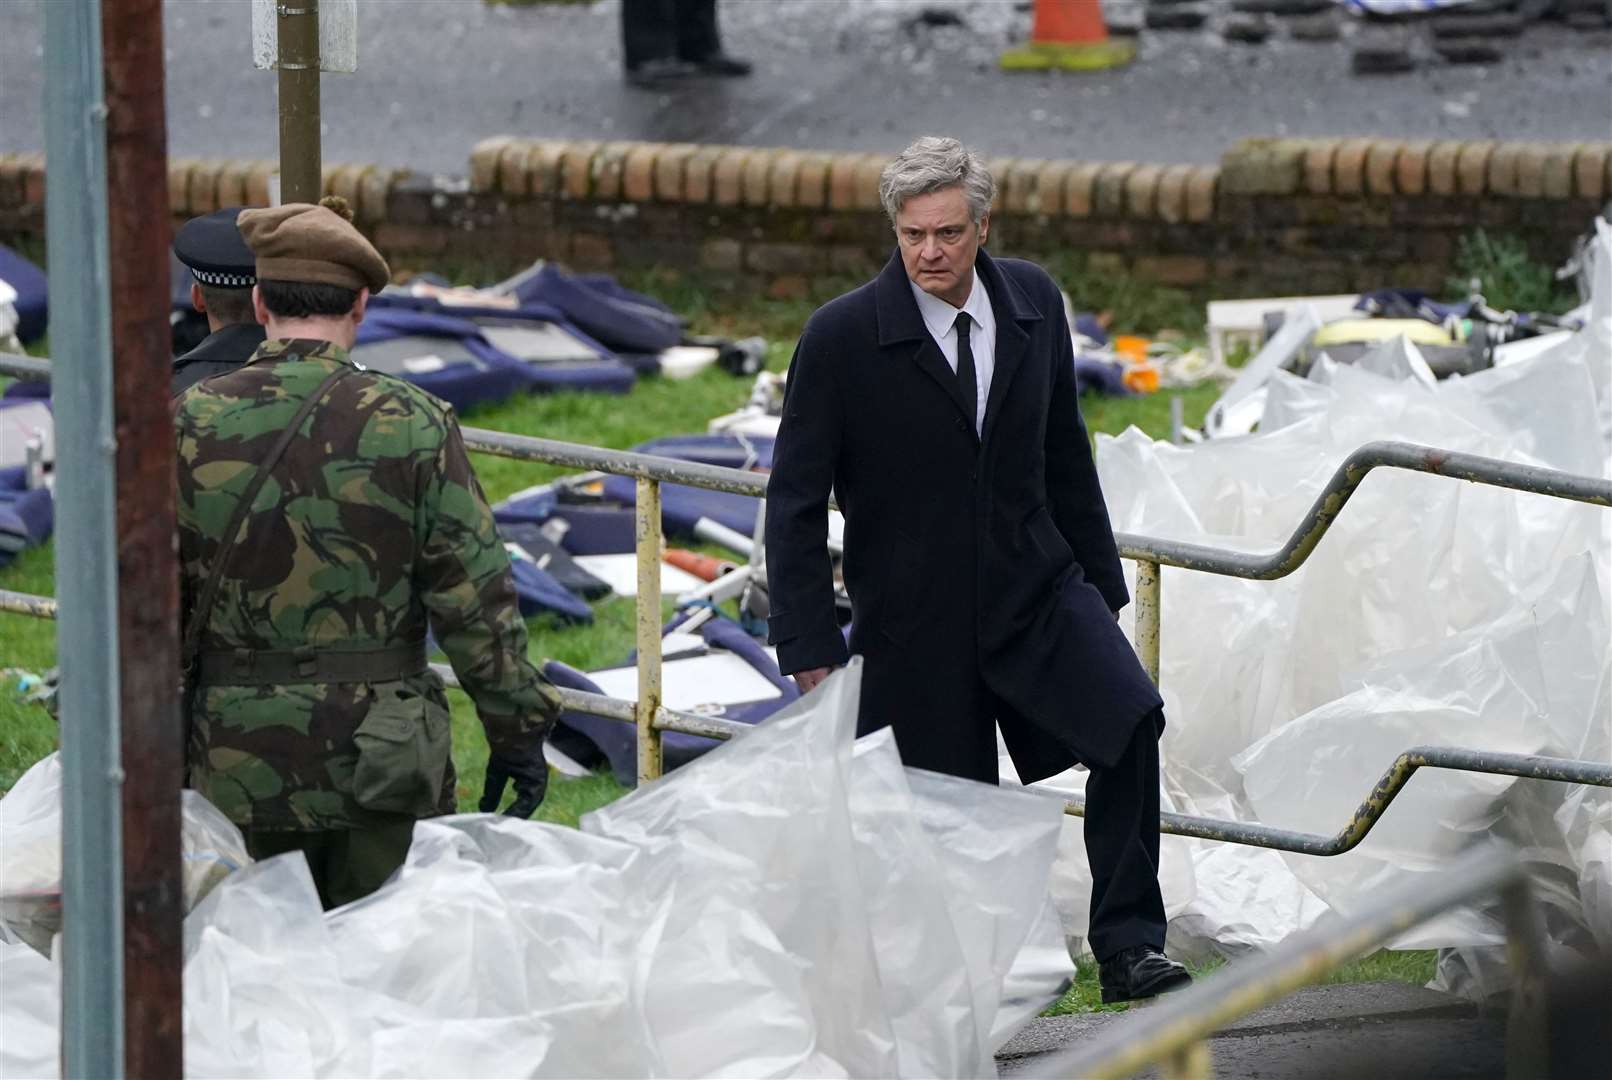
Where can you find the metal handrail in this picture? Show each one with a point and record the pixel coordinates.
(1171, 1031)
(1372, 808)
(1526, 766)
(686, 723)
(1150, 554)
(1413, 457)
(1348, 477)
(618, 462)
(19, 366)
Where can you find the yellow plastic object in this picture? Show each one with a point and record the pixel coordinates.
(1141, 378)
(1092, 56)
(1418, 331)
(1131, 347)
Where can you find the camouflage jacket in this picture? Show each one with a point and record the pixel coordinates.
(371, 525)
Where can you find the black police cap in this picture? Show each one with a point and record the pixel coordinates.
(212, 247)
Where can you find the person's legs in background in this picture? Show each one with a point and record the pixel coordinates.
(649, 36)
(700, 43)
(346, 864)
(664, 41)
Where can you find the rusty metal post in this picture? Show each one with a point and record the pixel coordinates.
(1149, 615)
(297, 35)
(650, 543)
(148, 574)
(1193, 1061)
(1527, 1019)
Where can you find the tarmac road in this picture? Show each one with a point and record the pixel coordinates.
(435, 76)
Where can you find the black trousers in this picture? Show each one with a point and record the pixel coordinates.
(347, 864)
(1122, 804)
(668, 29)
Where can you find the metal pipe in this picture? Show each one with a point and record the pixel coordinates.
(86, 554)
(1359, 824)
(714, 532)
(19, 366)
(147, 612)
(1160, 1031)
(1342, 485)
(709, 727)
(617, 462)
(297, 38)
(21, 603)
(1212, 560)
(1149, 615)
(1524, 766)
(650, 549)
(1528, 1014)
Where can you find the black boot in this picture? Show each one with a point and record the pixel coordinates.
(1139, 972)
(660, 72)
(720, 63)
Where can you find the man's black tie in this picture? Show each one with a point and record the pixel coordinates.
(965, 371)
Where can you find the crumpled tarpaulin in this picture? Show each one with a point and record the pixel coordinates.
(791, 904)
(211, 849)
(1433, 612)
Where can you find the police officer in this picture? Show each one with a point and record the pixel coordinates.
(327, 515)
(222, 266)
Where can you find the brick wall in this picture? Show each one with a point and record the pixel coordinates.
(1275, 216)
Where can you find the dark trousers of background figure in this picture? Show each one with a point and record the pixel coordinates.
(346, 864)
(668, 30)
(1121, 824)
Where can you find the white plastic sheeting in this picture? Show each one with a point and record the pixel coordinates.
(31, 852)
(791, 904)
(1433, 612)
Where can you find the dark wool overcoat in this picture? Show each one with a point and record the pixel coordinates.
(976, 566)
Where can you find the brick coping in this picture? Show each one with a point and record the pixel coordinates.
(517, 169)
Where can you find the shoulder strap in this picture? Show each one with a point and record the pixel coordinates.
(215, 573)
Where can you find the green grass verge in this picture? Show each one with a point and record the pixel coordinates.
(1409, 967)
(655, 407)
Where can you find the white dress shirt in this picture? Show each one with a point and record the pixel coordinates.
(941, 319)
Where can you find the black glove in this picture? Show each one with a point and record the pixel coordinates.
(527, 770)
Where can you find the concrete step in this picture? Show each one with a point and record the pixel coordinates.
(1385, 1031)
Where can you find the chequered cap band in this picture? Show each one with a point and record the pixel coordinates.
(223, 281)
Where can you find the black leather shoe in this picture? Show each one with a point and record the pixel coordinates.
(720, 63)
(1137, 973)
(657, 73)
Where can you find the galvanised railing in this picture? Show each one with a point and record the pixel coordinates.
(1150, 554)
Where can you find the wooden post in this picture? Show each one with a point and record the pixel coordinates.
(301, 164)
(152, 740)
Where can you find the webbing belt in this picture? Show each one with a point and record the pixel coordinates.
(260, 667)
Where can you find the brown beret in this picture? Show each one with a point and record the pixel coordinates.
(309, 244)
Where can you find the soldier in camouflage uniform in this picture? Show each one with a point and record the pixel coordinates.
(314, 721)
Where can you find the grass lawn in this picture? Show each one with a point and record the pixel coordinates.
(1415, 967)
(655, 407)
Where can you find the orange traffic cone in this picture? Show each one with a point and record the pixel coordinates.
(1069, 34)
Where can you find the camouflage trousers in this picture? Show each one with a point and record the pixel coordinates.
(347, 864)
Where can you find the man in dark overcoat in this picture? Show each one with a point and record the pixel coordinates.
(938, 404)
